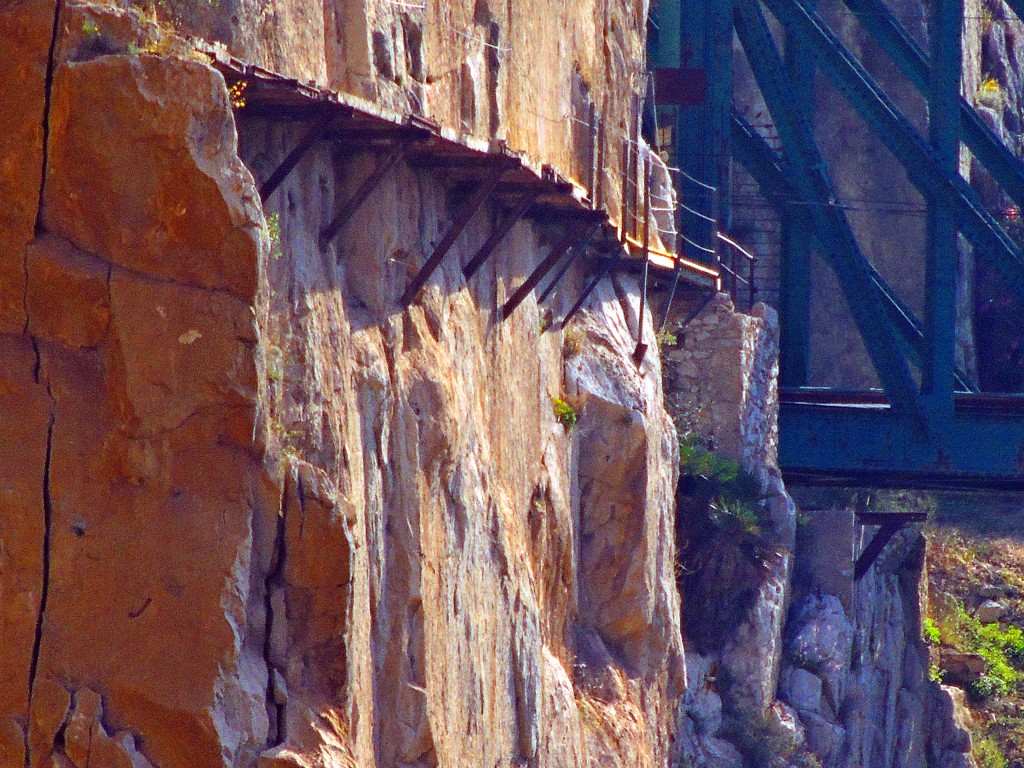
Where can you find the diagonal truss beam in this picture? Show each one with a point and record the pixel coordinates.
(485, 251)
(813, 183)
(775, 182)
(898, 134)
(879, 21)
(1017, 6)
(315, 133)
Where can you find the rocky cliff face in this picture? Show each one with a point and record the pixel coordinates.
(252, 511)
(791, 662)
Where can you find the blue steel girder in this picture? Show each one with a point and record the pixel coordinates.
(898, 134)
(795, 244)
(863, 444)
(813, 183)
(1017, 6)
(773, 178)
(996, 157)
(702, 131)
(945, 22)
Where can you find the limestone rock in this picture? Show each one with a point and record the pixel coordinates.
(962, 668)
(800, 689)
(143, 170)
(989, 612)
(821, 637)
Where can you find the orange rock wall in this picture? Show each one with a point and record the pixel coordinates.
(252, 512)
(524, 72)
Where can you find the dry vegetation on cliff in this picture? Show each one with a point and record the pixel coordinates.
(976, 606)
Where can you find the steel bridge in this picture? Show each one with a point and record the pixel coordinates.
(928, 426)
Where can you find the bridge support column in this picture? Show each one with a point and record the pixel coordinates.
(944, 30)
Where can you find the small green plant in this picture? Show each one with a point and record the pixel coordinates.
(735, 495)
(935, 673)
(1002, 648)
(565, 413)
(988, 755)
(91, 28)
(666, 338)
(930, 632)
(990, 93)
(275, 364)
(274, 232)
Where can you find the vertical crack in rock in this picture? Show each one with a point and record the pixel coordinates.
(45, 586)
(47, 96)
(274, 581)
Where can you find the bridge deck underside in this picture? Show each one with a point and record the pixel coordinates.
(843, 438)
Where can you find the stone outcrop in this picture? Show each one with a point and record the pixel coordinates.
(255, 513)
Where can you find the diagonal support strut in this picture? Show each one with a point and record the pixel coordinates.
(313, 135)
(579, 230)
(774, 179)
(854, 82)
(354, 203)
(510, 220)
(462, 219)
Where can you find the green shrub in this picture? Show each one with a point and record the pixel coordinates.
(274, 232)
(565, 413)
(930, 632)
(1001, 647)
(988, 755)
(735, 496)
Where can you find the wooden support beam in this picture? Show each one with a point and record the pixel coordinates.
(577, 231)
(353, 204)
(874, 548)
(313, 135)
(483, 191)
(513, 216)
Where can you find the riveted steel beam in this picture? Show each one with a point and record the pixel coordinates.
(945, 21)
(772, 176)
(996, 157)
(814, 184)
(853, 81)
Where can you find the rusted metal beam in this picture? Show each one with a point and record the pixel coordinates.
(313, 135)
(881, 518)
(641, 348)
(513, 216)
(482, 192)
(605, 269)
(874, 548)
(353, 204)
(577, 250)
(577, 231)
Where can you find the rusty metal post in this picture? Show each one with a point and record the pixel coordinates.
(641, 348)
